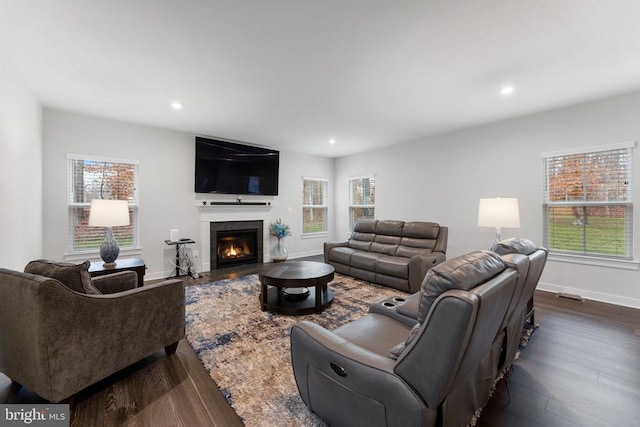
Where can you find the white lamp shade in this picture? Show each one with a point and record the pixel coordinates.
(499, 212)
(108, 213)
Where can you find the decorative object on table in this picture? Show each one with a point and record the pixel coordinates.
(281, 231)
(109, 213)
(498, 212)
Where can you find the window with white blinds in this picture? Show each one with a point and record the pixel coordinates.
(100, 178)
(587, 202)
(362, 198)
(314, 206)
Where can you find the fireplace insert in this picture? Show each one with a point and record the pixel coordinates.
(236, 247)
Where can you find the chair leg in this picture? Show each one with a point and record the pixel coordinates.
(171, 348)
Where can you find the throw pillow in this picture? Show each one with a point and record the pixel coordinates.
(464, 272)
(74, 276)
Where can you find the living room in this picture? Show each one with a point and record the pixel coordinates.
(483, 157)
(439, 177)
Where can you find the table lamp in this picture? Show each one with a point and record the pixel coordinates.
(109, 213)
(498, 213)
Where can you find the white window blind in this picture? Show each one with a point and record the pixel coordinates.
(314, 206)
(362, 195)
(100, 178)
(587, 202)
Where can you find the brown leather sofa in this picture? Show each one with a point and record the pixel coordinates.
(379, 371)
(392, 253)
(62, 331)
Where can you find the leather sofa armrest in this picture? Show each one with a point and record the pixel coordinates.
(443, 239)
(116, 282)
(332, 373)
(330, 245)
(418, 267)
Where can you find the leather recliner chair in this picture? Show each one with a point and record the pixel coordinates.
(519, 254)
(378, 371)
(512, 252)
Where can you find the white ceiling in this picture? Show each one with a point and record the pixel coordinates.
(292, 74)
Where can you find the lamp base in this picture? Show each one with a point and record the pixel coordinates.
(496, 239)
(110, 249)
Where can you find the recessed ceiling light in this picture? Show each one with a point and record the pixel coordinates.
(332, 141)
(176, 105)
(507, 90)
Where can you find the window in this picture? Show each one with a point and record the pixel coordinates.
(587, 202)
(100, 178)
(314, 206)
(362, 199)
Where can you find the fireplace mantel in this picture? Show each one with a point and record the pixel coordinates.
(232, 212)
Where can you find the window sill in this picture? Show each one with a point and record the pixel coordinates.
(314, 235)
(596, 261)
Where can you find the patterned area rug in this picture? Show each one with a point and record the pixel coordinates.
(247, 351)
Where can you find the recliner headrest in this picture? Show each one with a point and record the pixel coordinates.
(514, 246)
(464, 272)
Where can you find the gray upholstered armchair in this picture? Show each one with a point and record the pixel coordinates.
(61, 332)
(378, 371)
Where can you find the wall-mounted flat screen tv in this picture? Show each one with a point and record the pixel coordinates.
(230, 168)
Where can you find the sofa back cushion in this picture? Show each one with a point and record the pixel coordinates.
(418, 238)
(514, 246)
(395, 238)
(464, 272)
(364, 231)
(74, 276)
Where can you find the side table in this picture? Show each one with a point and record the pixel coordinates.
(179, 259)
(134, 264)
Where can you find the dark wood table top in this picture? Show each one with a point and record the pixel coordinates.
(296, 271)
(121, 264)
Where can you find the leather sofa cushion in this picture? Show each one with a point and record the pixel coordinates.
(375, 332)
(514, 246)
(74, 276)
(359, 244)
(365, 260)
(383, 248)
(341, 255)
(410, 251)
(390, 228)
(365, 226)
(393, 266)
(464, 272)
(387, 240)
(421, 230)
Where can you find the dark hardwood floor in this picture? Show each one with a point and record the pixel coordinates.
(581, 368)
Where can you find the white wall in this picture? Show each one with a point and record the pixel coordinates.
(166, 172)
(20, 171)
(442, 178)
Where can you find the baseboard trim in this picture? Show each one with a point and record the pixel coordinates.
(590, 295)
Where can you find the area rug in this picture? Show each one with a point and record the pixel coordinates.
(247, 351)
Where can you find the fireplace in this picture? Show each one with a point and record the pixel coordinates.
(235, 243)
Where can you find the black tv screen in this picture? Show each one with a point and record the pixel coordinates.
(230, 168)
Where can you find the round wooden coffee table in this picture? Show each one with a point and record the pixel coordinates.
(295, 275)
